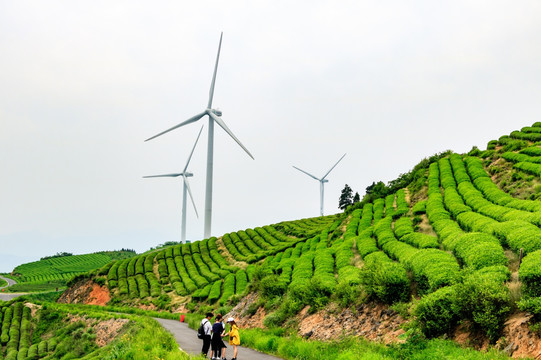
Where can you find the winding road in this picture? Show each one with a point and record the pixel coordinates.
(185, 337)
(9, 296)
(188, 342)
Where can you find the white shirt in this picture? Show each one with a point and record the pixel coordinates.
(207, 327)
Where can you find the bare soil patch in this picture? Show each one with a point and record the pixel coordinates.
(86, 292)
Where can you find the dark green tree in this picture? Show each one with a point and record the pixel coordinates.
(356, 198)
(346, 198)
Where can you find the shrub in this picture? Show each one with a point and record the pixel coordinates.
(384, 279)
(419, 208)
(530, 274)
(346, 294)
(241, 281)
(215, 291)
(531, 305)
(270, 286)
(484, 299)
(437, 313)
(228, 288)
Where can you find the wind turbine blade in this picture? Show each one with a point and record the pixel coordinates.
(220, 122)
(190, 192)
(165, 175)
(189, 121)
(211, 92)
(312, 176)
(194, 145)
(333, 167)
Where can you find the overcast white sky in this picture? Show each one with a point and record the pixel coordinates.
(83, 83)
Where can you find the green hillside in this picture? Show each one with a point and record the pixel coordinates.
(53, 331)
(455, 241)
(54, 271)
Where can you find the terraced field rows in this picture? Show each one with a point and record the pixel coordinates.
(202, 270)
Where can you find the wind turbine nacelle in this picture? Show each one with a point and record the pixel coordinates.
(188, 174)
(217, 112)
(325, 181)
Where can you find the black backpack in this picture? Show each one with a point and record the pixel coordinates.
(201, 331)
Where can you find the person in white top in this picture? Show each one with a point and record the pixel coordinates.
(207, 326)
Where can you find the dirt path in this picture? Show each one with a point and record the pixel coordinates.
(187, 340)
(9, 296)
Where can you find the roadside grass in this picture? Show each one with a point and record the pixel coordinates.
(292, 347)
(47, 296)
(37, 286)
(144, 338)
(3, 283)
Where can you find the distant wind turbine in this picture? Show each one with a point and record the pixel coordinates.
(186, 187)
(214, 116)
(322, 182)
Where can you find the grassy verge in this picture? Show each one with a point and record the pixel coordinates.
(144, 338)
(292, 347)
(37, 286)
(3, 283)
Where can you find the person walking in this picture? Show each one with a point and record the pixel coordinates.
(234, 337)
(207, 328)
(217, 342)
(222, 341)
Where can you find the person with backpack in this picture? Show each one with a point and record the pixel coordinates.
(204, 333)
(217, 344)
(234, 337)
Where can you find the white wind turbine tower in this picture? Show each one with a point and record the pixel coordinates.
(186, 188)
(322, 182)
(214, 117)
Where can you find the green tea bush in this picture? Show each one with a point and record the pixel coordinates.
(483, 182)
(33, 352)
(270, 286)
(130, 271)
(378, 207)
(403, 226)
(389, 205)
(519, 234)
(193, 272)
(142, 285)
(530, 274)
(421, 241)
(204, 269)
(228, 288)
(402, 206)
(478, 250)
(42, 349)
(366, 219)
(419, 207)
(366, 244)
(162, 271)
(215, 291)
(437, 313)
(485, 300)
(384, 279)
(112, 276)
(241, 281)
(353, 225)
(140, 265)
(324, 270)
(133, 291)
(531, 305)
(6, 322)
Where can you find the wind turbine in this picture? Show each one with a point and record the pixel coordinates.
(214, 117)
(186, 187)
(322, 182)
